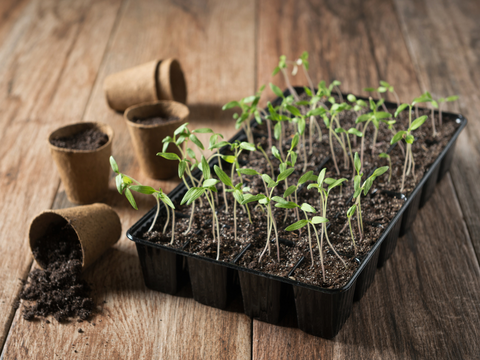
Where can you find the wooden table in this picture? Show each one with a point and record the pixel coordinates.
(54, 56)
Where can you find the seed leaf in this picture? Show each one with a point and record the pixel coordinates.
(398, 136)
(357, 162)
(247, 146)
(230, 105)
(131, 200)
(418, 122)
(276, 90)
(351, 211)
(147, 190)
(222, 176)
(319, 220)
(169, 156)
(294, 111)
(113, 164)
(308, 208)
(298, 225)
(400, 109)
(248, 172)
(196, 141)
(380, 171)
(285, 174)
(289, 191)
(305, 177)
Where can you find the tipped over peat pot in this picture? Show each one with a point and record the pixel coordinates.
(320, 311)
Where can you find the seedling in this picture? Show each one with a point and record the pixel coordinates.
(265, 200)
(282, 67)
(384, 87)
(386, 156)
(351, 131)
(444, 100)
(409, 139)
(374, 116)
(308, 222)
(249, 107)
(207, 189)
(332, 183)
(365, 188)
(324, 91)
(358, 105)
(350, 213)
(426, 97)
(126, 184)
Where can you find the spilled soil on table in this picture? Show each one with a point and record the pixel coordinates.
(58, 289)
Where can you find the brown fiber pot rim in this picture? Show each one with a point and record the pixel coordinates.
(182, 114)
(72, 129)
(170, 80)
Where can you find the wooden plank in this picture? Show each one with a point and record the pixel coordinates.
(218, 59)
(443, 42)
(45, 82)
(359, 44)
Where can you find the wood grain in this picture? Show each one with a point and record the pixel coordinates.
(45, 82)
(443, 40)
(409, 304)
(136, 322)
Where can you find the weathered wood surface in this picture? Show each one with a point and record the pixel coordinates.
(49, 59)
(445, 46)
(54, 56)
(136, 322)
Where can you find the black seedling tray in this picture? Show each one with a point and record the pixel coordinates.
(320, 312)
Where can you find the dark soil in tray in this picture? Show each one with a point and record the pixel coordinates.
(58, 290)
(154, 120)
(89, 139)
(378, 208)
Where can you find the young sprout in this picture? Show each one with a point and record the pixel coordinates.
(308, 222)
(313, 124)
(372, 90)
(249, 107)
(324, 193)
(426, 97)
(277, 130)
(259, 147)
(386, 156)
(324, 91)
(335, 110)
(409, 139)
(207, 189)
(282, 66)
(350, 213)
(303, 62)
(236, 192)
(351, 131)
(443, 100)
(265, 200)
(375, 117)
(127, 184)
(358, 105)
(384, 87)
(365, 187)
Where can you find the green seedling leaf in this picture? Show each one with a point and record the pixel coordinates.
(285, 174)
(119, 183)
(316, 112)
(329, 181)
(222, 176)
(180, 129)
(311, 186)
(248, 172)
(147, 190)
(298, 225)
(247, 146)
(248, 198)
(384, 155)
(277, 130)
(181, 168)
(230, 105)
(127, 180)
(382, 89)
(113, 164)
(308, 208)
(169, 156)
(336, 183)
(369, 89)
(280, 200)
(305, 177)
(294, 111)
(167, 200)
(276, 90)
(196, 141)
(237, 194)
(351, 98)
(287, 205)
(321, 177)
(190, 153)
(340, 130)
(229, 158)
(210, 182)
(409, 139)
(418, 122)
(397, 137)
(351, 211)
(191, 195)
(294, 141)
(319, 220)
(452, 98)
(380, 171)
(131, 200)
(289, 191)
(357, 163)
(363, 118)
(276, 153)
(205, 168)
(400, 109)
(353, 131)
(367, 185)
(308, 91)
(382, 115)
